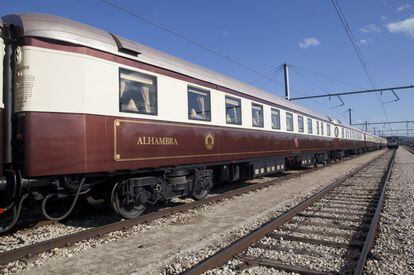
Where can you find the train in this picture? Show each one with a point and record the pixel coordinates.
(392, 142)
(88, 113)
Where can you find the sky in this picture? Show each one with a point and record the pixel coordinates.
(264, 34)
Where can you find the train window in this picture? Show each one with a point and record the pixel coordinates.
(233, 110)
(137, 92)
(289, 122)
(328, 130)
(310, 128)
(342, 132)
(275, 119)
(300, 124)
(257, 115)
(199, 107)
(322, 128)
(317, 127)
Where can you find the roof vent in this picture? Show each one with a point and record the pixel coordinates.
(122, 48)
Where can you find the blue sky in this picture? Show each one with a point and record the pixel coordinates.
(266, 33)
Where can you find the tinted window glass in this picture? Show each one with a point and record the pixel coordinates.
(289, 121)
(137, 92)
(310, 126)
(317, 127)
(257, 115)
(300, 124)
(233, 110)
(321, 128)
(199, 104)
(275, 119)
(328, 130)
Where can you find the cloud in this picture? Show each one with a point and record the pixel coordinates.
(309, 42)
(384, 17)
(403, 7)
(405, 26)
(370, 28)
(225, 33)
(364, 41)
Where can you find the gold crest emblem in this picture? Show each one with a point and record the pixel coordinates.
(209, 140)
(336, 131)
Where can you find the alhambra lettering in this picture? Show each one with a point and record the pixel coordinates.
(157, 141)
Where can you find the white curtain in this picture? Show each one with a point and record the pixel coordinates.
(122, 88)
(145, 96)
(201, 106)
(235, 115)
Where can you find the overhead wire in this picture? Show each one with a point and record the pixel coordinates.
(202, 46)
(308, 79)
(356, 48)
(191, 41)
(328, 77)
(275, 71)
(352, 39)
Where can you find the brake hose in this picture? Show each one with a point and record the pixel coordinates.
(70, 208)
(16, 214)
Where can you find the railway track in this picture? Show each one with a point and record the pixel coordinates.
(31, 250)
(330, 233)
(409, 149)
(31, 223)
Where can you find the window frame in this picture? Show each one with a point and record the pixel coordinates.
(309, 122)
(293, 122)
(225, 109)
(271, 118)
(328, 130)
(301, 122)
(155, 79)
(201, 90)
(261, 106)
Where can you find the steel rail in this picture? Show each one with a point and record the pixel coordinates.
(237, 247)
(372, 233)
(409, 149)
(68, 240)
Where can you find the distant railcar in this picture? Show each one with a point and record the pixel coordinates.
(89, 113)
(392, 142)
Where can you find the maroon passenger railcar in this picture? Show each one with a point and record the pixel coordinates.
(88, 112)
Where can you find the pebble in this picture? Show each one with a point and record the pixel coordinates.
(187, 258)
(393, 251)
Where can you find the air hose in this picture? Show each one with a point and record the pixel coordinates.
(16, 214)
(70, 208)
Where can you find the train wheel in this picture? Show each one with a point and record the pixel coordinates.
(201, 187)
(123, 204)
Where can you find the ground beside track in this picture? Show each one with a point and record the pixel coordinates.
(393, 252)
(173, 244)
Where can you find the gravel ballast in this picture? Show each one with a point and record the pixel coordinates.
(173, 244)
(326, 249)
(393, 252)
